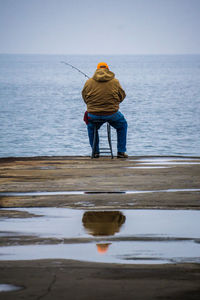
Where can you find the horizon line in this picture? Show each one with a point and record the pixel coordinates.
(99, 54)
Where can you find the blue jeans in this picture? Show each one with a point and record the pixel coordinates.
(117, 121)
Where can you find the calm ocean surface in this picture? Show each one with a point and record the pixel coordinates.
(41, 109)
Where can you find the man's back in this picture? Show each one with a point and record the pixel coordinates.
(102, 93)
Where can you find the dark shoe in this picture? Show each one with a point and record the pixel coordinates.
(122, 155)
(96, 155)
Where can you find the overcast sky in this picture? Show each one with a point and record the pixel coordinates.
(100, 26)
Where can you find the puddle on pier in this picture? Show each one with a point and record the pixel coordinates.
(57, 193)
(147, 167)
(126, 236)
(164, 162)
(169, 163)
(9, 288)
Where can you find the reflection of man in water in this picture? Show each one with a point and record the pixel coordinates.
(103, 223)
(102, 248)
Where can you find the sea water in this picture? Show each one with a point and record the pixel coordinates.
(41, 108)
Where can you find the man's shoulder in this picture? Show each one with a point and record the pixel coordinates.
(115, 81)
(89, 81)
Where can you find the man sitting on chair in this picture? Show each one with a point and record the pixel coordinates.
(103, 93)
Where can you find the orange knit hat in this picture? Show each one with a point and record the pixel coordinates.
(102, 65)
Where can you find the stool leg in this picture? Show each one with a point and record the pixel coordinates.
(109, 139)
(94, 141)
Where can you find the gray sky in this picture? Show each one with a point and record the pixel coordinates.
(100, 26)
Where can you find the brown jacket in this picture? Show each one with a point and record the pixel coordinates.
(102, 93)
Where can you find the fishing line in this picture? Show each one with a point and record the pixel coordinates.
(64, 62)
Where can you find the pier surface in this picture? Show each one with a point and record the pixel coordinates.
(137, 182)
(98, 184)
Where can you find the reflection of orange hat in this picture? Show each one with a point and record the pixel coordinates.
(102, 65)
(102, 248)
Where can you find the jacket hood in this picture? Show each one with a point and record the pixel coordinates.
(103, 75)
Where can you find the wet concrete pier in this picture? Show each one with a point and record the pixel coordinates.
(79, 182)
(133, 196)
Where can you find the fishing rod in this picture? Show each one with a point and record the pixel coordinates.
(64, 62)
